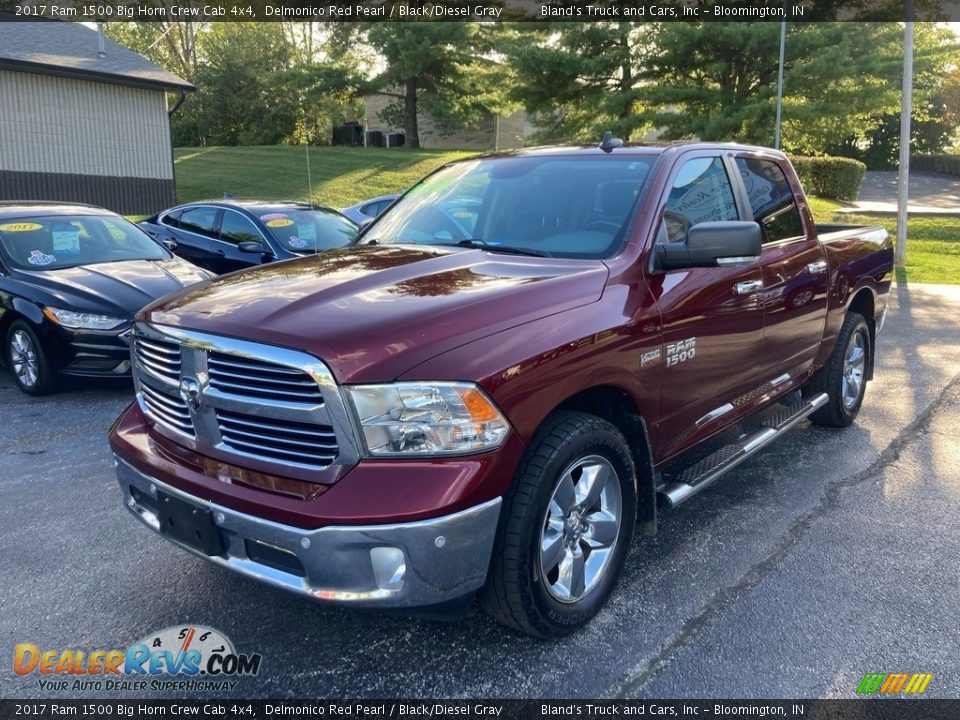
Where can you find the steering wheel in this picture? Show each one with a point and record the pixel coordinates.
(603, 225)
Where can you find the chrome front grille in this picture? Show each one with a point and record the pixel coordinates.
(266, 408)
(250, 377)
(160, 357)
(284, 440)
(167, 408)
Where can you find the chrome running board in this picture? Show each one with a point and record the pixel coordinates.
(684, 485)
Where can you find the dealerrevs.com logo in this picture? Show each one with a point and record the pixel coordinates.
(185, 658)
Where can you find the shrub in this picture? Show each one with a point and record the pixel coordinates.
(830, 177)
(943, 164)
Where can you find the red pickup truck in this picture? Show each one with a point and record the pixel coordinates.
(502, 380)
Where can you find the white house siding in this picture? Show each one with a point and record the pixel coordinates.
(84, 141)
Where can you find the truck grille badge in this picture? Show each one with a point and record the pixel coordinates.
(190, 392)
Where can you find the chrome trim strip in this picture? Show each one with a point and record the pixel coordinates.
(780, 379)
(738, 260)
(714, 414)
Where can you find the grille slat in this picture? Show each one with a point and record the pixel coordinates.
(248, 377)
(285, 440)
(303, 431)
(167, 409)
(244, 436)
(160, 357)
(243, 364)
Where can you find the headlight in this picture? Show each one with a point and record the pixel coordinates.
(82, 321)
(427, 418)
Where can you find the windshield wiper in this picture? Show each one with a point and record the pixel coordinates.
(481, 244)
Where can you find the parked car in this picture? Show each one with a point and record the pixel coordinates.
(495, 403)
(232, 234)
(71, 279)
(364, 212)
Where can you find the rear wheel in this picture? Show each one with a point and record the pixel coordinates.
(565, 528)
(27, 360)
(844, 377)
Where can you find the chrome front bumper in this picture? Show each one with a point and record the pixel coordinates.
(404, 565)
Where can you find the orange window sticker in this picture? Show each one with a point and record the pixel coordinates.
(279, 223)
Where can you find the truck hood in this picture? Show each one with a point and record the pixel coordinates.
(371, 313)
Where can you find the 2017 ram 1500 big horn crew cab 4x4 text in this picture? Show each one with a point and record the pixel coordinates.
(491, 390)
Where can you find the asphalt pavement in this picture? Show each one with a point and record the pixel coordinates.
(831, 554)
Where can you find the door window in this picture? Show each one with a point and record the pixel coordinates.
(235, 229)
(199, 220)
(771, 199)
(701, 193)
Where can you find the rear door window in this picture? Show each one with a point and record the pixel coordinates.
(199, 220)
(771, 199)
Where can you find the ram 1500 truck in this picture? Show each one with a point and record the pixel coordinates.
(494, 389)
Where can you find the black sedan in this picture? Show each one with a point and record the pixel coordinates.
(231, 234)
(71, 279)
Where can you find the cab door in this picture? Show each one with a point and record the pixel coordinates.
(795, 273)
(712, 318)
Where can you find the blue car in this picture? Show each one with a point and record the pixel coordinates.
(368, 210)
(232, 234)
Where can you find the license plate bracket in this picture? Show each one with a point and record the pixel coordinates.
(189, 524)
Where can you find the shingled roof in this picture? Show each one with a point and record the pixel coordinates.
(68, 49)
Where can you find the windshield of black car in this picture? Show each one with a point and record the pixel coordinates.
(308, 231)
(559, 205)
(61, 241)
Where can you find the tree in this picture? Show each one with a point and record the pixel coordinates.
(171, 45)
(445, 67)
(718, 81)
(581, 79)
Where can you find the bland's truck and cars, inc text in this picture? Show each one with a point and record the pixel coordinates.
(494, 388)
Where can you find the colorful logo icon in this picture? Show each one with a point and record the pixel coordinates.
(894, 683)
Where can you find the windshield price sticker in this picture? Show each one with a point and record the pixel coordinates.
(66, 241)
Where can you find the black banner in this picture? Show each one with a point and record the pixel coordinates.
(867, 709)
(482, 10)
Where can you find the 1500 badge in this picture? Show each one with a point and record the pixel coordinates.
(680, 351)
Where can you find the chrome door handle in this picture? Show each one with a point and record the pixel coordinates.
(747, 287)
(815, 268)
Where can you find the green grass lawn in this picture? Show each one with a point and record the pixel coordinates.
(933, 241)
(340, 176)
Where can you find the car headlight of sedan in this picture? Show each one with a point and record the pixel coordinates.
(82, 321)
(427, 418)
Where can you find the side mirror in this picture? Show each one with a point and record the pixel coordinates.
(170, 244)
(252, 246)
(711, 244)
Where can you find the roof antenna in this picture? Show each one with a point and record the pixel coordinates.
(609, 142)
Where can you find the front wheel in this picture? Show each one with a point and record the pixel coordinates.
(27, 360)
(844, 377)
(565, 528)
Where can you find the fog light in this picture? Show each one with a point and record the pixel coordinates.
(388, 567)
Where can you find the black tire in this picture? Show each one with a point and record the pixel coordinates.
(22, 342)
(518, 592)
(841, 409)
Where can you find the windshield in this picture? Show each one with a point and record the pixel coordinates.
(63, 241)
(309, 231)
(561, 206)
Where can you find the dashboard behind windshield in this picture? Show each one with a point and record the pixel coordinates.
(561, 206)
